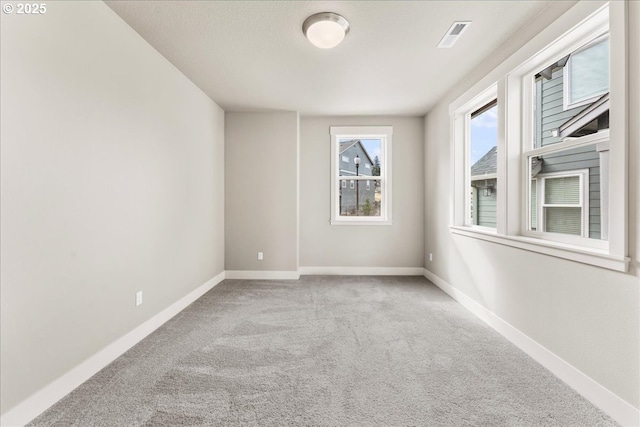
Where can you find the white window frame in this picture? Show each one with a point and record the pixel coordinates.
(385, 135)
(345, 159)
(583, 202)
(461, 148)
(579, 25)
(568, 103)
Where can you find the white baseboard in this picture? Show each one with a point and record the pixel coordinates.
(362, 271)
(262, 275)
(41, 400)
(616, 407)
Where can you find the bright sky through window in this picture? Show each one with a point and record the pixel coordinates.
(372, 146)
(484, 133)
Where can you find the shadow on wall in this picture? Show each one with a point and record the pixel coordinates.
(472, 266)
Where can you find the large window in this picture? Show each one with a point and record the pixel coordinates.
(560, 153)
(569, 111)
(361, 155)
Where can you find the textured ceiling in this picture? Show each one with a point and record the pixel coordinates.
(252, 55)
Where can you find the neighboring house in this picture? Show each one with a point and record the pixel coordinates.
(352, 190)
(572, 100)
(483, 190)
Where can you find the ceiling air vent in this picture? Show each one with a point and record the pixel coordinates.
(454, 33)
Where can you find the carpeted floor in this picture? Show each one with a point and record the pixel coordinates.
(324, 351)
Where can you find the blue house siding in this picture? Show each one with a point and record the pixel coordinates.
(483, 172)
(551, 107)
(483, 209)
(577, 159)
(348, 167)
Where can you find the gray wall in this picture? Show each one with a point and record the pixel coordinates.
(261, 191)
(112, 182)
(589, 316)
(324, 245)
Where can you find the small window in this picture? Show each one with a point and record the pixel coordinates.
(587, 73)
(368, 198)
(345, 159)
(563, 204)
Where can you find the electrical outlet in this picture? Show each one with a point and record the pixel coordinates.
(430, 256)
(138, 298)
(260, 256)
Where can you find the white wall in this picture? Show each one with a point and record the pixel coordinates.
(112, 182)
(398, 245)
(586, 315)
(261, 191)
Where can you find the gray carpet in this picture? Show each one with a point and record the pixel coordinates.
(325, 351)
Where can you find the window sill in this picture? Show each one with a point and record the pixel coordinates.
(343, 222)
(595, 257)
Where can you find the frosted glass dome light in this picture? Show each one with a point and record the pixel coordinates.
(326, 29)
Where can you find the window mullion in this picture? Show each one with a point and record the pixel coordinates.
(502, 184)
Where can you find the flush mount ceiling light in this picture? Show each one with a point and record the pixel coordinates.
(326, 29)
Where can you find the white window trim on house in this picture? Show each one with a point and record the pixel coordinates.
(583, 203)
(514, 86)
(596, 139)
(385, 135)
(568, 103)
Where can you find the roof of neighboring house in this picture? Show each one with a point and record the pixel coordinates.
(487, 164)
(345, 145)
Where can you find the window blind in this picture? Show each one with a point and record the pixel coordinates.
(566, 220)
(562, 191)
